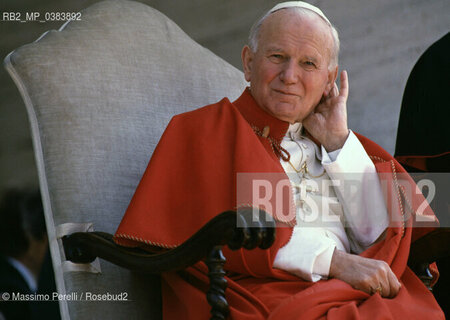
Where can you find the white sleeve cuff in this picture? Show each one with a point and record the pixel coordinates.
(307, 255)
(352, 158)
(322, 262)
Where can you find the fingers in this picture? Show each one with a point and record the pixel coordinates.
(389, 282)
(335, 90)
(383, 279)
(386, 283)
(395, 285)
(344, 85)
(385, 287)
(376, 289)
(365, 274)
(343, 91)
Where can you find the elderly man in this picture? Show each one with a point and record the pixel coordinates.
(291, 121)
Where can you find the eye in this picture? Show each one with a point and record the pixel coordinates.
(309, 64)
(276, 57)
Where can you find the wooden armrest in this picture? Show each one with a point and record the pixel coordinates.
(248, 228)
(84, 247)
(431, 247)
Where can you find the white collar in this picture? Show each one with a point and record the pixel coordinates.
(294, 132)
(25, 272)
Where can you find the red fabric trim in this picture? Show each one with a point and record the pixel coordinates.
(422, 156)
(418, 163)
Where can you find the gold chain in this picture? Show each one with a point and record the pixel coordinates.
(304, 170)
(286, 156)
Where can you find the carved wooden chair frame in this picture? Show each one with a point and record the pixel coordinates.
(255, 229)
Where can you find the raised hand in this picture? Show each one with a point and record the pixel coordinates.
(368, 275)
(328, 122)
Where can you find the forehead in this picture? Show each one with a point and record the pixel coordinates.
(294, 28)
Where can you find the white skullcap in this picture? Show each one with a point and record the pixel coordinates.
(299, 4)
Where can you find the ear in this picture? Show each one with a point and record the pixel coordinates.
(247, 61)
(332, 76)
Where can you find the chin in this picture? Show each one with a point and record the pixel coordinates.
(285, 112)
(285, 117)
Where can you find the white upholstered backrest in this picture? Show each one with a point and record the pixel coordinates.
(99, 93)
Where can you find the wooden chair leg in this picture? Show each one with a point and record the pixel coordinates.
(218, 284)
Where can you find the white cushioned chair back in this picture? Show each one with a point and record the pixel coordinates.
(99, 93)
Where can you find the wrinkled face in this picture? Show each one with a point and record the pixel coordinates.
(289, 73)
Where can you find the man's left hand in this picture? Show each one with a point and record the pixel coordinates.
(328, 122)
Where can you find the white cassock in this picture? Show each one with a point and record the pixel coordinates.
(339, 204)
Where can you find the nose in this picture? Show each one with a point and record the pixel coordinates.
(288, 74)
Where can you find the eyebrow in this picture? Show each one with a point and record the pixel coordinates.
(274, 49)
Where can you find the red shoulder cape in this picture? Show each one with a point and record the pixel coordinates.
(191, 178)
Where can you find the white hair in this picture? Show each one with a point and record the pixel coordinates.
(302, 10)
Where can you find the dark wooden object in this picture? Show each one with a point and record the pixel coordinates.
(218, 284)
(246, 228)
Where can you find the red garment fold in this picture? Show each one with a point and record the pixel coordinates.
(192, 177)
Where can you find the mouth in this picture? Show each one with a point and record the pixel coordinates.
(286, 93)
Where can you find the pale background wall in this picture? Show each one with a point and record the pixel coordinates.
(381, 41)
